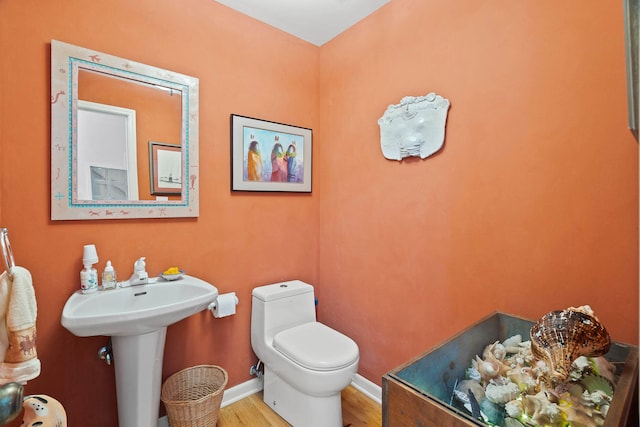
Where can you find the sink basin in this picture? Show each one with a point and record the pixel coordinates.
(136, 319)
(136, 310)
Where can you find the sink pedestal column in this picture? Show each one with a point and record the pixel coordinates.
(138, 365)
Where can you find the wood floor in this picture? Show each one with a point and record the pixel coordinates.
(357, 411)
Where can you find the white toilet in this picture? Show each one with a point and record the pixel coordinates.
(306, 364)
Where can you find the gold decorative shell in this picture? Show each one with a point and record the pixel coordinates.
(560, 337)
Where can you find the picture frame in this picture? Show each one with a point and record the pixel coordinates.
(165, 168)
(270, 156)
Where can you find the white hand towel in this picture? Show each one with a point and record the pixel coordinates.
(18, 337)
(5, 292)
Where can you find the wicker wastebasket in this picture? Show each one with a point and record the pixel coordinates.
(192, 396)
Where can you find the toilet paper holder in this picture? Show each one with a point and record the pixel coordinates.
(224, 305)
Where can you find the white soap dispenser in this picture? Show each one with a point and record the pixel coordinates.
(88, 279)
(140, 276)
(89, 276)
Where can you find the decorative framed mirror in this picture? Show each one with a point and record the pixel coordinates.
(105, 111)
(632, 43)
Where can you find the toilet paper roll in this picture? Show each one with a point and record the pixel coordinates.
(225, 305)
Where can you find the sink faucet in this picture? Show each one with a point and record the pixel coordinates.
(140, 275)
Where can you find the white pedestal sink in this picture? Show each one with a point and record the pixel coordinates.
(136, 319)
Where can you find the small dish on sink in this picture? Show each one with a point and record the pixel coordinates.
(171, 277)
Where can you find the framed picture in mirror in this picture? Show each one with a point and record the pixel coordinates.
(165, 166)
(269, 156)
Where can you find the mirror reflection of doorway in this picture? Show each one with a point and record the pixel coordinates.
(108, 184)
(106, 143)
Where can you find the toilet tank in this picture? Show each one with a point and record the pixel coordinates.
(281, 306)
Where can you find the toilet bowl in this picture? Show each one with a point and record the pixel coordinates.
(306, 363)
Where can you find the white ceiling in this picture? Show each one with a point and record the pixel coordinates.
(316, 21)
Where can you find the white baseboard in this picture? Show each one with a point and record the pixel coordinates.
(240, 391)
(370, 389)
(254, 385)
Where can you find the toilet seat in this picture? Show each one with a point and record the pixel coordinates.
(316, 346)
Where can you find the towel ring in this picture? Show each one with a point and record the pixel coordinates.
(6, 251)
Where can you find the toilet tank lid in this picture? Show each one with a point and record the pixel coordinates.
(281, 290)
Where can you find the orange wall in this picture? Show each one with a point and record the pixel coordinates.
(532, 204)
(240, 240)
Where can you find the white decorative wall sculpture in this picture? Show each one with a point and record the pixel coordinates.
(413, 128)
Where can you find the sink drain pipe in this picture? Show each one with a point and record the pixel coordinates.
(106, 353)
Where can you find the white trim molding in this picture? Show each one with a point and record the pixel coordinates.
(370, 389)
(242, 390)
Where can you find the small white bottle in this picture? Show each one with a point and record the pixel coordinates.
(88, 279)
(109, 277)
